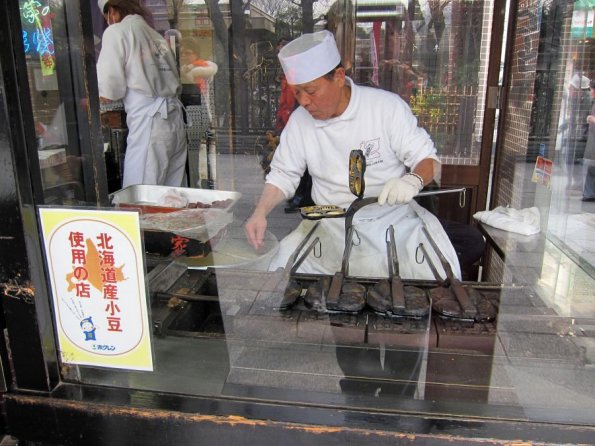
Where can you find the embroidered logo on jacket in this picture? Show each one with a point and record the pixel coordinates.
(371, 149)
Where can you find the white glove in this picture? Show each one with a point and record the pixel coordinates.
(400, 190)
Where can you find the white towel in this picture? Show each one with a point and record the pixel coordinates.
(524, 221)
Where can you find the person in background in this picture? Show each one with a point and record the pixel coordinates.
(287, 101)
(576, 127)
(589, 156)
(136, 65)
(197, 73)
(336, 116)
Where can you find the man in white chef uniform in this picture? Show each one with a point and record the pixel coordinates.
(336, 116)
(137, 65)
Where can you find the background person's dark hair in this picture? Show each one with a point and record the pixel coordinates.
(129, 7)
(190, 43)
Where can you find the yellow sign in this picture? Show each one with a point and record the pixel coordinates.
(97, 276)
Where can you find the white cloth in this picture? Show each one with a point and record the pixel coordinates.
(378, 122)
(309, 57)
(580, 82)
(369, 254)
(524, 221)
(135, 57)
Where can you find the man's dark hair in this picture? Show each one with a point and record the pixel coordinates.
(331, 74)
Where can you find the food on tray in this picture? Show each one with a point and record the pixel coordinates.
(147, 208)
(196, 223)
(162, 199)
(217, 204)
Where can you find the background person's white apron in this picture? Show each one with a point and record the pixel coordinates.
(368, 257)
(156, 148)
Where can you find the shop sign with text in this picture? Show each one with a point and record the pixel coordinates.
(96, 270)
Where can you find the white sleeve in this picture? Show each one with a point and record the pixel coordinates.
(111, 72)
(205, 72)
(289, 163)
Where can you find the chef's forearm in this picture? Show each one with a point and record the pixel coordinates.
(429, 170)
(271, 197)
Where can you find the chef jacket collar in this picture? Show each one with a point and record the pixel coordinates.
(349, 113)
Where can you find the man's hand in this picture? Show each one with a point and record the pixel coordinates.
(400, 190)
(255, 228)
(256, 225)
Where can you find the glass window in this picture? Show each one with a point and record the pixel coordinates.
(50, 86)
(230, 320)
(431, 53)
(573, 182)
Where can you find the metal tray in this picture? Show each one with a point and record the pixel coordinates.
(147, 197)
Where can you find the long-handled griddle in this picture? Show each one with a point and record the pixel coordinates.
(344, 295)
(452, 299)
(281, 282)
(390, 296)
(460, 293)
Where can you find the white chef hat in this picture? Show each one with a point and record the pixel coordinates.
(309, 56)
(103, 3)
(579, 82)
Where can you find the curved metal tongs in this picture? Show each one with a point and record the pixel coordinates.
(460, 293)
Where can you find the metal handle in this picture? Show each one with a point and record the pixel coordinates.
(295, 253)
(430, 263)
(310, 247)
(391, 248)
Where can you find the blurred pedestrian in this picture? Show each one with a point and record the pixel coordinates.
(196, 74)
(589, 156)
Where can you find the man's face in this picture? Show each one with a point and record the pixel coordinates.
(323, 98)
(187, 56)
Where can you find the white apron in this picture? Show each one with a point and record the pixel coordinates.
(369, 256)
(156, 144)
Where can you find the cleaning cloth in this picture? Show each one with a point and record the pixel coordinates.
(522, 221)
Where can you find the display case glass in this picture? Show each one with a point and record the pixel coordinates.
(510, 338)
